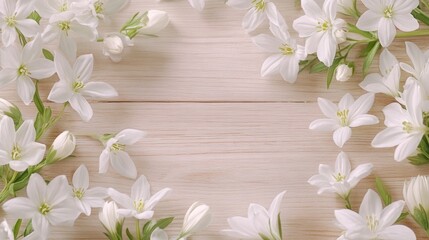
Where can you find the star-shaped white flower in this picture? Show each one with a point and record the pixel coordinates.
(373, 221)
(19, 149)
(349, 113)
(405, 127)
(140, 204)
(45, 204)
(13, 17)
(342, 179)
(85, 198)
(74, 85)
(117, 156)
(319, 26)
(387, 81)
(385, 16)
(287, 53)
(258, 12)
(23, 64)
(260, 223)
(419, 59)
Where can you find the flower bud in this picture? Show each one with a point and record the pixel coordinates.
(63, 146)
(196, 219)
(341, 36)
(416, 196)
(114, 44)
(343, 73)
(5, 231)
(154, 22)
(110, 218)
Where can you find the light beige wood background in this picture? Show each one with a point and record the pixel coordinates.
(218, 133)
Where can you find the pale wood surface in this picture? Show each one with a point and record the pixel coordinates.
(217, 132)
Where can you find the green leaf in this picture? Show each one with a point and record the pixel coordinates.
(420, 15)
(279, 222)
(16, 228)
(318, 67)
(331, 71)
(28, 229)
(35, 16)
(129, 235)
(37, 100)
(48, 54)
(367, 49)
(402, 216)
(370, 57)
(421, 217)
(382, 190)
(150, 226)
(164, 222)
(263, 237)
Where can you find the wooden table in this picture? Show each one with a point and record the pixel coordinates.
(218, 133)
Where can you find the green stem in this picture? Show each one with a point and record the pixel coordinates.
(5, 191)
(138, 229)
(347, 202)
(417, 33)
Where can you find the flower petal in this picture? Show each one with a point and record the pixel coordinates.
(26, 133)
(123, 164)
(405, 22)
(20, 207)
(83, 67)
(141, 189)
(371, 205)
(408, 147)
(391, 214)
(386, 32)
(397, 232)
(342, 135)
(360, 172)
(41, 68)
(324, 125)
(267, 42)
(129, 136)
(61, 92)
(26, 89)
(363, 120)
(342, 164)
(369, 21)
(253, 19)
(150, 204)
(99, 90)
(81, 106)
(81, 178)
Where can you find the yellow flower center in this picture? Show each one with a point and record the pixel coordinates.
(78, 85)
(259, 4)
(98, 7)
(139, 205)
(343, 115)
(44, 209)
(64, 26)
(117, 147)
(23, 71)
(324, 26)
(388, 12)
(371, 222)
(64, 7)
(10, 21)
(16, 152)
(287, 50)
(78, 193)
(407, 126)
(339, 177)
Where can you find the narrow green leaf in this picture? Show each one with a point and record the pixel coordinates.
(35, 16)
(48, 54)
(28, 229)
(129, 235)
(263, 237)
(331, 71)
(370, 57)
(318, 67)
(16, 228)
(382, 190)
(420, 15)
(37, 100)
(279, 222)
(367, 49)
(163, 223)
(402, 216)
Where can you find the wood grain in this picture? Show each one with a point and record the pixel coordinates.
(218, 133)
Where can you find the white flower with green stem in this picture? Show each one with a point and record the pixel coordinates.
(75, 85)
(22, 65)
(46, 204)
(344, 116)
(373, 221)
(342, 179)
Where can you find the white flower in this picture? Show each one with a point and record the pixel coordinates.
(258, 12)
(13, 17)
(385, 16)
(419, 60)
(114, 44)
(110, 218)
(140, 204)
(259, 223)
(45, 205)
(159, 234)
(85, 198)
(66, 27)
(374, 222)
(387, 81)
(286, 54)
(106, 8)
(23, 64)
(5, 231)
(19, 149)
(341, 180)
(115, 153)
(319, 26)
(75, 85)
(196, 219)
(154, 22)
(416, 194)
(405, 127)
(197, 4)
(349, 113)
(343, 73)
(63, 145)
